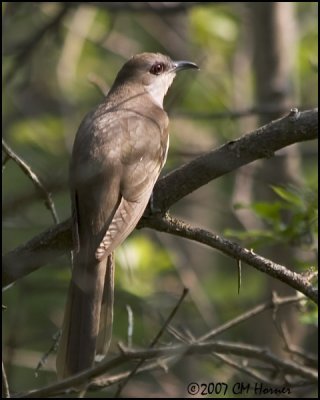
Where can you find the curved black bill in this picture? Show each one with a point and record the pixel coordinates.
(179, 65)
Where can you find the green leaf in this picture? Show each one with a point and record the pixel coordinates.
(269, 211)
(287, 195)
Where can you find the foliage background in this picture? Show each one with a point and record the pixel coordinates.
(47, 90)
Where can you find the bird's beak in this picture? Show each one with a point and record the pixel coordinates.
(179, 65)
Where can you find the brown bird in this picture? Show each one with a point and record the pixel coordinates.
(118, 153)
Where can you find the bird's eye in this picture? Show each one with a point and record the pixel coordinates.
(157, 68)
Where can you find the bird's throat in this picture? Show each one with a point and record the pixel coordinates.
(158, 89)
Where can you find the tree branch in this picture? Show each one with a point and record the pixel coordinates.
(275, 303)
(263, 142)
(236, 349)
(39, 251)
(109, 380)
(232, 249)
(100, 377)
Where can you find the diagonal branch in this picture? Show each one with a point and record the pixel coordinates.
(263, 142)
(10, 154)
(272, 304)
(232, 249)
(39, 251)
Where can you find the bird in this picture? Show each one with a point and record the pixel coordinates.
(118, 153)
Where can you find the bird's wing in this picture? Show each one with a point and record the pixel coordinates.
(142, 158)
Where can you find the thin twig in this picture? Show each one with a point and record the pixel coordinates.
(154, 341)
(170, 317)
(308, 358)
(5, 385)
(178, 335)
(34, 178)
(53, 348)
(284, 334)
(249, 314)
(103, 382)
(246, 370)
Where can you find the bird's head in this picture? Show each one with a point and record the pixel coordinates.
(154, 71)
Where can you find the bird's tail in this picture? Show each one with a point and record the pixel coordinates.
(88, 318)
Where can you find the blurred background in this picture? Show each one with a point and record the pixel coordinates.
(257, 61)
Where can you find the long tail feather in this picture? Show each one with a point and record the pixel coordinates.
(89, 299)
